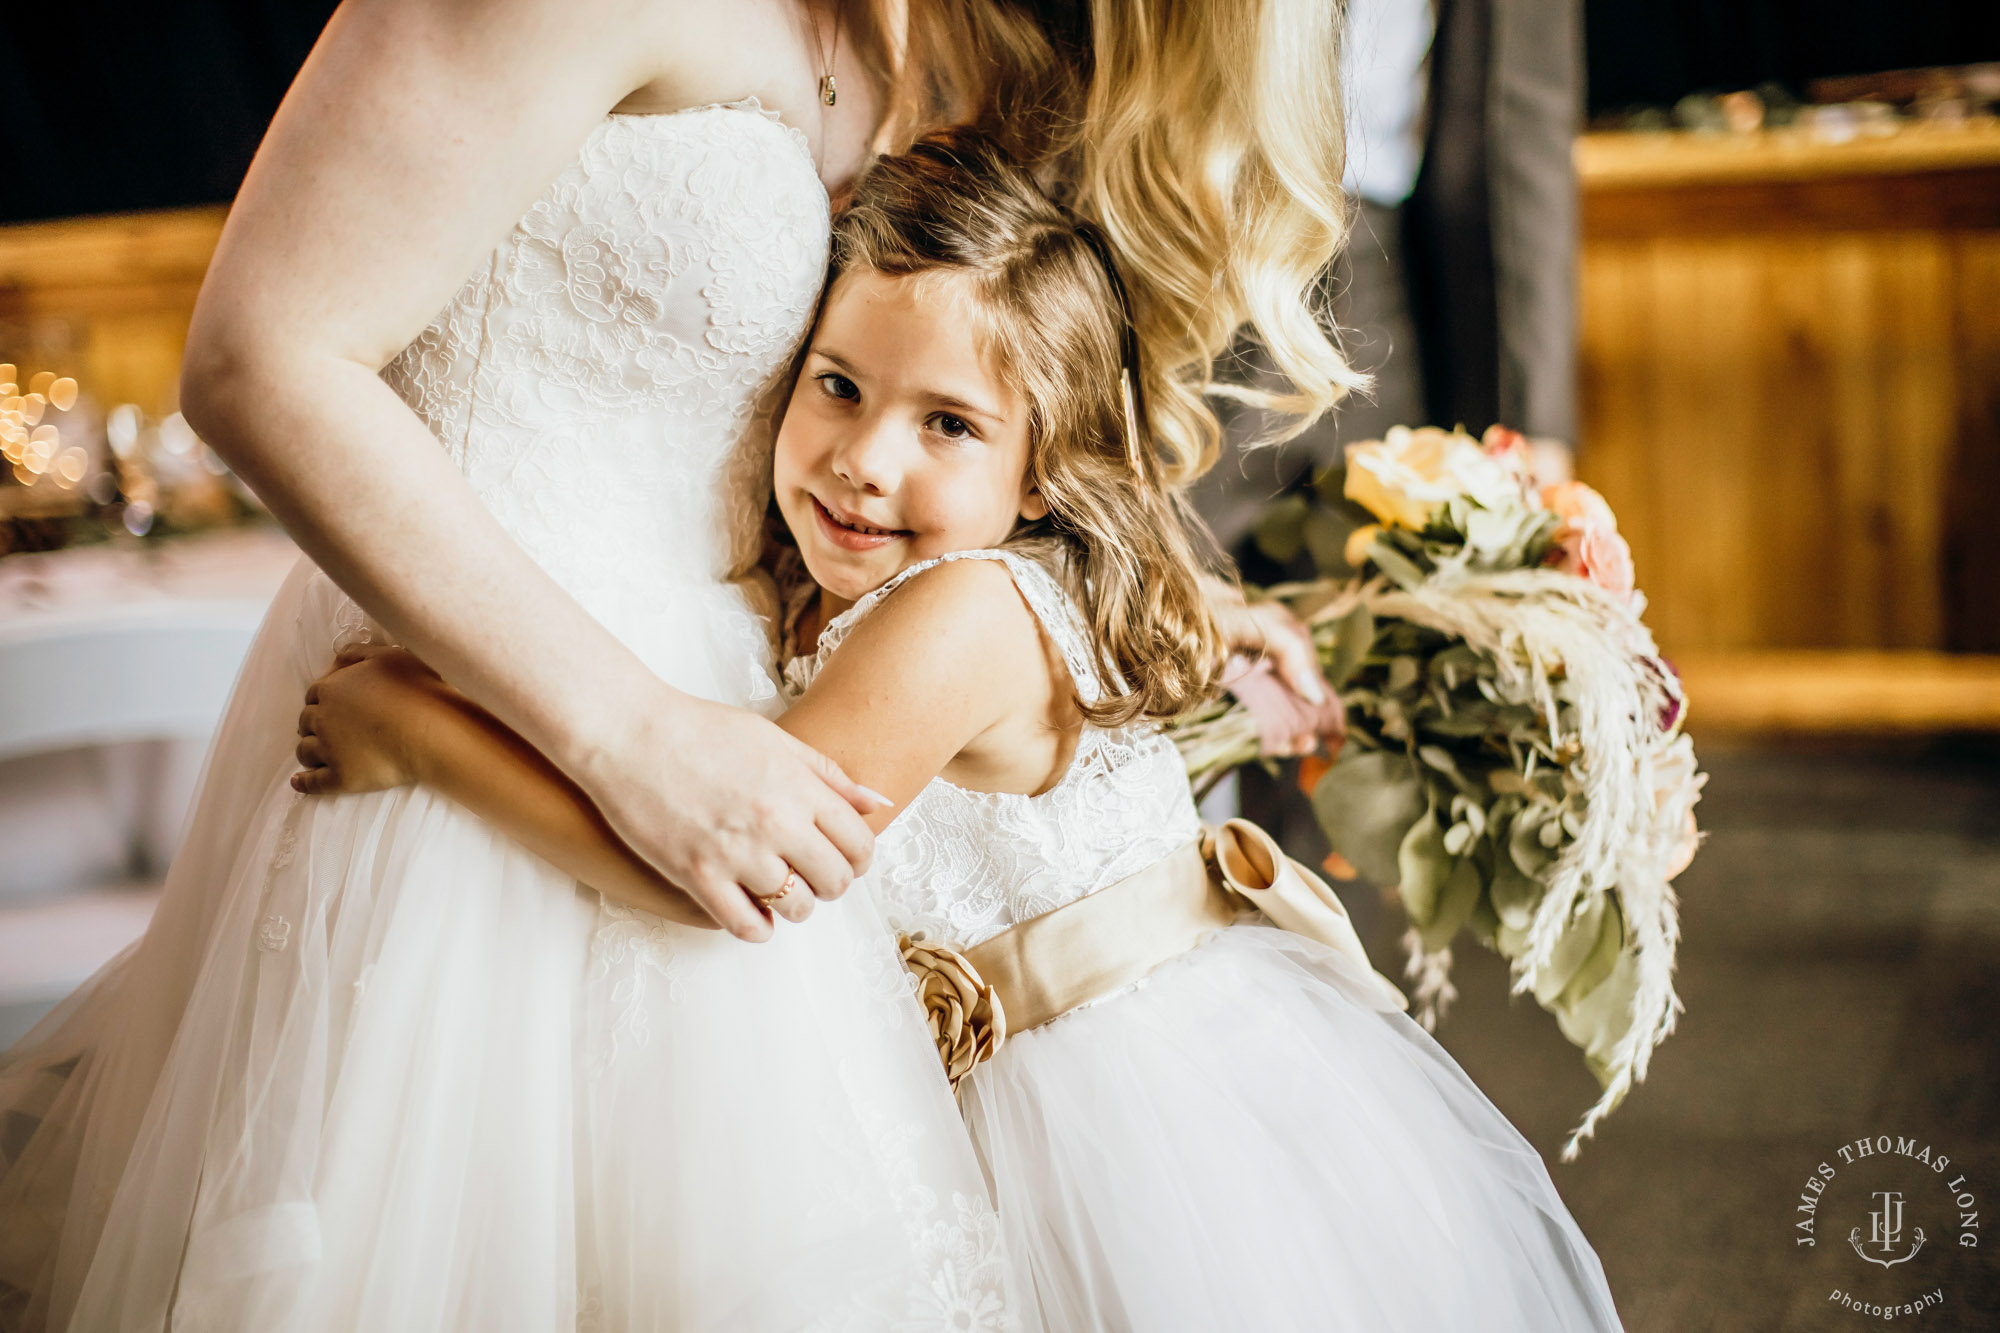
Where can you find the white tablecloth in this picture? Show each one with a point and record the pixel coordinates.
(115, 665)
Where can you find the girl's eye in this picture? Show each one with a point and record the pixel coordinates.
(837, 385)
(949, 426)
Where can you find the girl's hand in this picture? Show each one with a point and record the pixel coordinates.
(1274, 669)
(355, 732)
(1268, 631)
(1287, 725)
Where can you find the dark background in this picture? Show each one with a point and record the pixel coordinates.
(107, 107)
(1652, 54)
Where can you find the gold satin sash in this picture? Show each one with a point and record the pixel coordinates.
(1043, 968)
(1040, 969)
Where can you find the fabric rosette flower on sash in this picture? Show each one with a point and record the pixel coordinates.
(1038, 970)
(967, 1021)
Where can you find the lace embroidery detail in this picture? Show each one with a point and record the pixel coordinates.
(606, 380)
(959, 1248)
(629, 954)
(968, 1290)
(273, 934)
(960, 865)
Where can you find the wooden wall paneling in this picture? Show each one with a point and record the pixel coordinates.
(1887, 325)
(1971, 539)
(1794, 589)
(1790, 363)
(1851, 691)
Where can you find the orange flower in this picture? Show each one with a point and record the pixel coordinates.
(1339, 867)
(1587, 542)
(1312, 768)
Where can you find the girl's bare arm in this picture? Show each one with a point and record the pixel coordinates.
(382, 719)
(947, 659)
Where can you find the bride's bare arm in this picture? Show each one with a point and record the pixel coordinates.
(415, 136)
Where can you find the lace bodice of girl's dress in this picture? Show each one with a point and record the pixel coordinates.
(600, 379)
(962, 865)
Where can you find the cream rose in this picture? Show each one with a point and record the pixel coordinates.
(1403, 477)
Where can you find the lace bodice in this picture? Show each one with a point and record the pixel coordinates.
(603, 380)
(959, 865)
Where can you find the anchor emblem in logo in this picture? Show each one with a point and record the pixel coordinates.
(1885, 1231)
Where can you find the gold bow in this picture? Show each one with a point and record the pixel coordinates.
(1257, 872)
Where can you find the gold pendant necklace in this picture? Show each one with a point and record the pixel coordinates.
(827, 92)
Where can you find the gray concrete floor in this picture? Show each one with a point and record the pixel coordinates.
(1840, 967)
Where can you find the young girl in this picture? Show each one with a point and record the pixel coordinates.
(1189, 1120)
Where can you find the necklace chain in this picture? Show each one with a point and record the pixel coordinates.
(827, 91)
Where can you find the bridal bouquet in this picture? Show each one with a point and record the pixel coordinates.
(1514, 763)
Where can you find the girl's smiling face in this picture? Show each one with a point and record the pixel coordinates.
(902, 440)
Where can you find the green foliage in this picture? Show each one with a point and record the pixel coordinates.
(1366, 803)
(1454, 784)
(1449, 789)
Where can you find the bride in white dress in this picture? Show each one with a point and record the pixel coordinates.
(375, 1065)
(385, 999)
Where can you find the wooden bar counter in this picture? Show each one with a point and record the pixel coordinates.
(1791, 395)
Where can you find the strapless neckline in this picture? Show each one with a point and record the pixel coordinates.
(606, 379)
(751, 104)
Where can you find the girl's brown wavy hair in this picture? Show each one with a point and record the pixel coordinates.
(955, 205)
(1204, 136)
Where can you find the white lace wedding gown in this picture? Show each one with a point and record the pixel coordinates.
(1243, 1142)
(375, 1067)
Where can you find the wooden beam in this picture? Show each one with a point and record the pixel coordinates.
(139, 250)
(1840, 692)
(1625, 161)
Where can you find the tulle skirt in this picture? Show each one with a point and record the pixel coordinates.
(1242, 1143)
(374, 1066)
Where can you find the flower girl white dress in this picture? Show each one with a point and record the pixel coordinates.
(1243, 1141)
(375, 1066)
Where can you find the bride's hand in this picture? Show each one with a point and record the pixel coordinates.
(726, 805)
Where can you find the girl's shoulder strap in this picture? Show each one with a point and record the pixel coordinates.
(1040, 589)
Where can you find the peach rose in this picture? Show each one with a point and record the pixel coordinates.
(1587, 541)
(1595, 553)
(1578, 505)
(1510, 449)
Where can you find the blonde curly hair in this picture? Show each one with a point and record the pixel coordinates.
(1205, 137)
